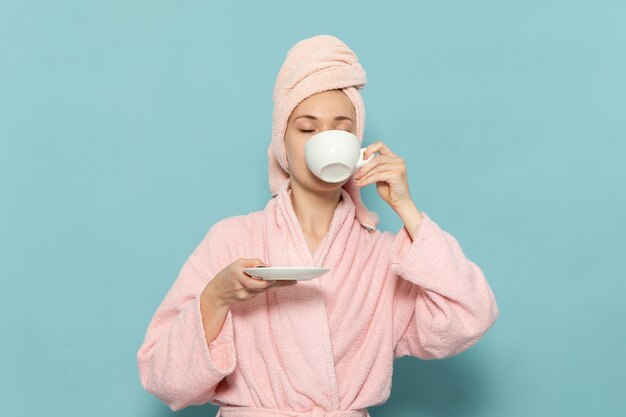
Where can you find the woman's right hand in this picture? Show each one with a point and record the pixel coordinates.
(232, 285)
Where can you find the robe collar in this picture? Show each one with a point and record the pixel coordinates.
(291, 248)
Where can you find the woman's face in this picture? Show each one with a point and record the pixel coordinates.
(322, 111)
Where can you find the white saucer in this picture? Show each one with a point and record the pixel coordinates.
(285, 272)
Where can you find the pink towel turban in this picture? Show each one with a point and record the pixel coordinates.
(314, 65)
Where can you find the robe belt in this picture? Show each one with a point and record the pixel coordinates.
(236, 411)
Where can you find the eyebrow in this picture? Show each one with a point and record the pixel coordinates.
(308, 116)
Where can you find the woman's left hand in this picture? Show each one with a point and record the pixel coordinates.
(388, 171)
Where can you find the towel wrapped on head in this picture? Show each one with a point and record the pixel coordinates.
(314, 65)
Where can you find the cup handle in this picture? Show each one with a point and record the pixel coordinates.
(361, 162)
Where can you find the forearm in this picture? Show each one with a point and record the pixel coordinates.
(214, 314)
(411, 217)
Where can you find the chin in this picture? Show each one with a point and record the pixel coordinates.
(321, 185)
(315, 184)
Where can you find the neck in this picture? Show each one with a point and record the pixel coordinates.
(314, 210)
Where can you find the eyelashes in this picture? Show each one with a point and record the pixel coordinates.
(309, 131)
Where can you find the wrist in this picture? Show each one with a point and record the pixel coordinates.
(211, 296)
(405, 207)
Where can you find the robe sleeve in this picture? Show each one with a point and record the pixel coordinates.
(175, 362)
(442, 302)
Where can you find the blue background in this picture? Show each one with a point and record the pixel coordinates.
(127, 128)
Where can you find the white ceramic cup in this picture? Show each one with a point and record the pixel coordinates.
(334, 155)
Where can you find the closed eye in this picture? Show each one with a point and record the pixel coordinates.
(309, 131)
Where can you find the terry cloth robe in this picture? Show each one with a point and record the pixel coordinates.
(323, 347)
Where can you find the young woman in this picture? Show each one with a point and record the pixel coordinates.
(323, 347)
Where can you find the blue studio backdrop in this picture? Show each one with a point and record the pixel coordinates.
(128, 128)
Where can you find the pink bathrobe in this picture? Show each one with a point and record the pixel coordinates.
(323, 347)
